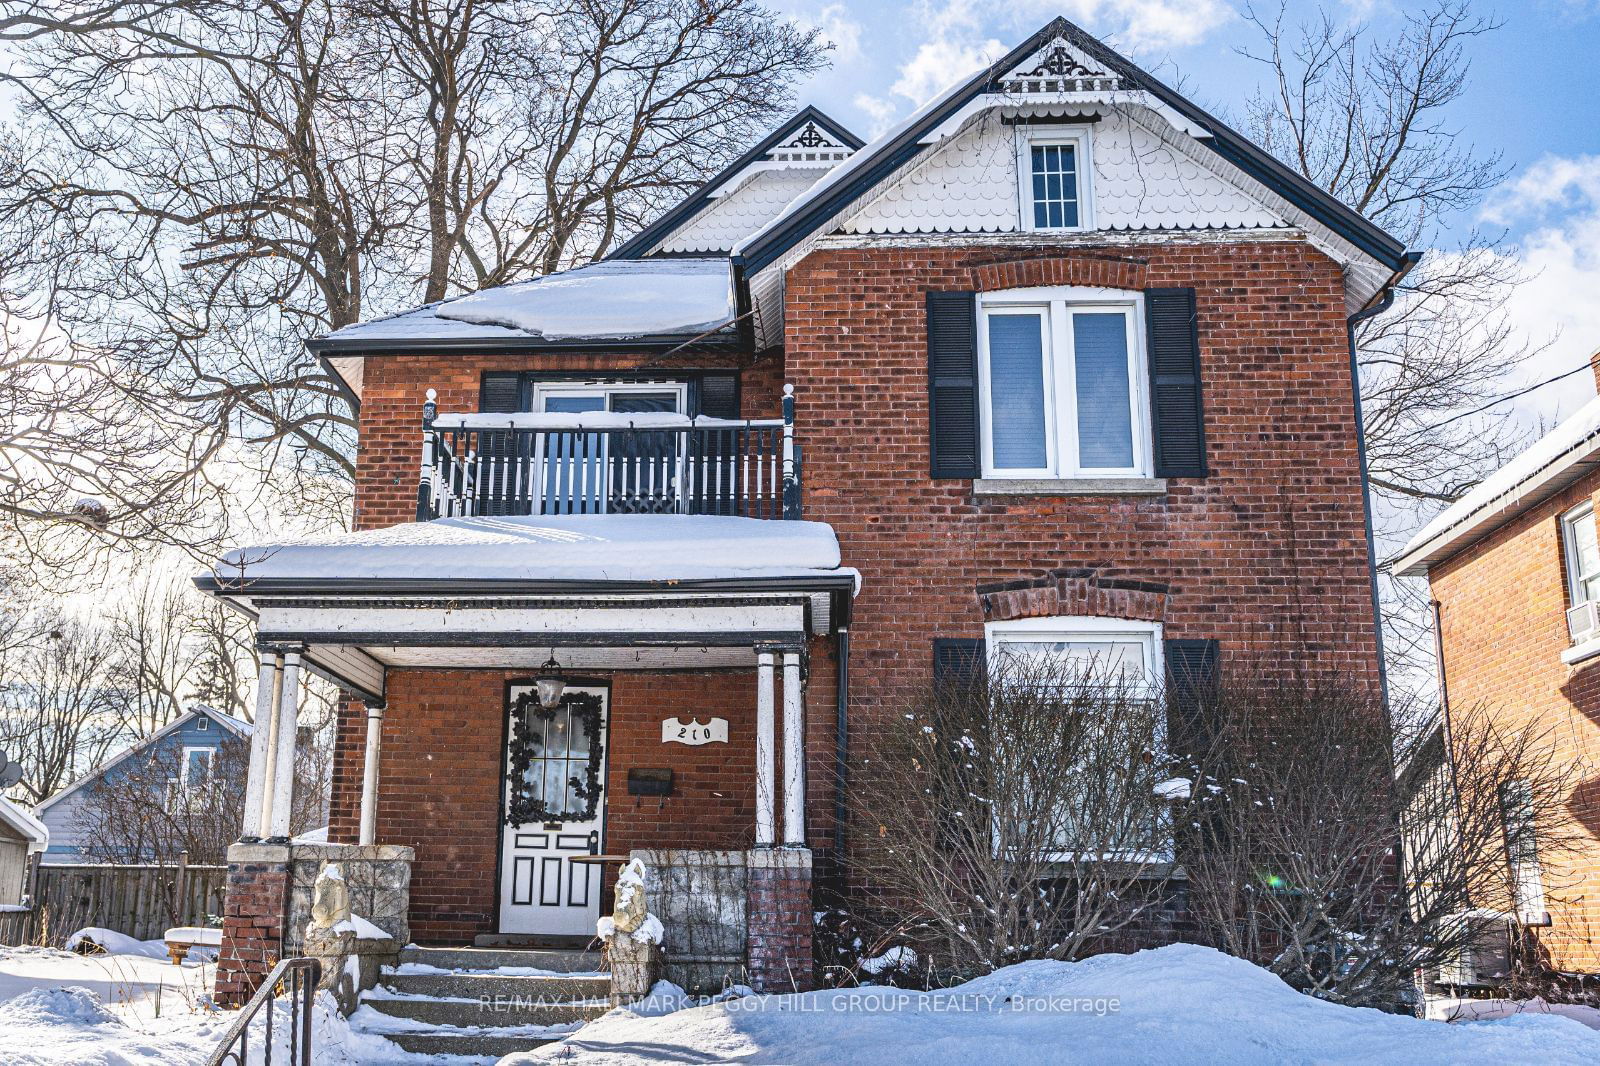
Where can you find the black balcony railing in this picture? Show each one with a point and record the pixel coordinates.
(487, 464)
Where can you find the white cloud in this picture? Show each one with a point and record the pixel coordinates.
(1555, 203)
(1148, 24)
(838, 29)
(941, 63)
(880, 110)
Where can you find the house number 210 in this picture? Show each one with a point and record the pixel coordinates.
(675, 731)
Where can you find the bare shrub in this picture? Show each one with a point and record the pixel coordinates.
(1306, 855)
(1015, 815)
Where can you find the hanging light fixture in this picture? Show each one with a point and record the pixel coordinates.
(550, 683)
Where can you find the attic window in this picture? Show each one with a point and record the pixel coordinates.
(1054, 167)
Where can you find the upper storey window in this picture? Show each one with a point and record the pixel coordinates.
(1063, 373)
(1583, 571)
(1055, 186)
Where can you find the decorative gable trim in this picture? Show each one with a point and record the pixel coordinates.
(809, 138)
(833, 197)
(1058, 67)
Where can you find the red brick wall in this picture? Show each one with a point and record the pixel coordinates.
(441, 767)
(1502, 610)
(1268, 554)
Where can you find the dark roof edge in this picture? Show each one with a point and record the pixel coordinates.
(1231, 145)
(641, 243)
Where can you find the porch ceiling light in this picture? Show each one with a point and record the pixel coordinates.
(550, 684)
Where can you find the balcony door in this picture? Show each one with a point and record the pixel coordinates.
(608, 473)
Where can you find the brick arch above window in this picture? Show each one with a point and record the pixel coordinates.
(1081, 595)
(1103, 272)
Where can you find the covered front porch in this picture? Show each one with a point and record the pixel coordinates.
(536, 693)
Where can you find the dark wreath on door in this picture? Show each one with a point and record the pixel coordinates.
(553, 766)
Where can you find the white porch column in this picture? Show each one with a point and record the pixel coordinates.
(766, 770)
(257, 784)
(283, 744)
(369, 775)
(794, 754)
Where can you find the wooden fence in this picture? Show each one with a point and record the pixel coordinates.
(139, 901)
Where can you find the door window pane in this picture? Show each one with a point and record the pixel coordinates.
(1016, 387)
(1105, 418)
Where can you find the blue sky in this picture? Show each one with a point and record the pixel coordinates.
(1532, 97)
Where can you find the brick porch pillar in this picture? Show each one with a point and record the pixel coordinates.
(778, 920)
(253, 919)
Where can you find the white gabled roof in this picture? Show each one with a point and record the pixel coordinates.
(26, 825)
(1552, 463)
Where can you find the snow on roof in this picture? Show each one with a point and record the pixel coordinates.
(26, 825)
(612, 300)
(1553, 461)
(597, 548)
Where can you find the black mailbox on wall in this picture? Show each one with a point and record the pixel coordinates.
(649, 782)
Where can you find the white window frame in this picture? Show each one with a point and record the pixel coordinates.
(1080, 138)
(183, 769)
(545, 389)
(1569, 548)
(1056, 307)
(1091, 629)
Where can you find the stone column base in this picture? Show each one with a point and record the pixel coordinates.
(778, 936)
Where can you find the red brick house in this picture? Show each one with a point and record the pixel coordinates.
(1061, 360)
(1513, 569)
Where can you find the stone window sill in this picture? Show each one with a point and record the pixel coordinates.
(1070, 486)
(1581, 652)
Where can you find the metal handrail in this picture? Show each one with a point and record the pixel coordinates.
(303, 975)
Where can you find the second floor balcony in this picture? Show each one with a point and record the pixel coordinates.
(603, 462)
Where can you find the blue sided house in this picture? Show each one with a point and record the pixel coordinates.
(190, 743)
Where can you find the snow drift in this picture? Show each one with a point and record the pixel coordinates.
(1181, 1003)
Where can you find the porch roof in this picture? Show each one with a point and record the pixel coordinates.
(605, 591)
(594, 550)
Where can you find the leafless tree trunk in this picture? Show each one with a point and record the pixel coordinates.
(1368, 120)
(191, 189)
(60, 711)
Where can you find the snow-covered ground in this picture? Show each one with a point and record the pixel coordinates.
(1179, 1003)
(1174, 1004)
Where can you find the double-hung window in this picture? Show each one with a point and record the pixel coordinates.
(1125, 657)
(1583, 572)
(1053, 169)
(1063, 381)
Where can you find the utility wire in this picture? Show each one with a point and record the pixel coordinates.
(1509, 396)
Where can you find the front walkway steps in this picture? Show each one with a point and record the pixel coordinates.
(484, 1002)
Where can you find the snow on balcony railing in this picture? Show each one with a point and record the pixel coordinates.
(607, 463)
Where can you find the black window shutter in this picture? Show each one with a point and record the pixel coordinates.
(958, 661)
(1176, 419)
(1191, 670)
(719, 396)
(501, 392)
(953, 384)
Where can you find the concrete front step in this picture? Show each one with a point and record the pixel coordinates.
(472, 985)
(494, 958)
(468, 1013)
(467, 1043)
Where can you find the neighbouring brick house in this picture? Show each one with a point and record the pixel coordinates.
(1060, 361)
(1513, 569)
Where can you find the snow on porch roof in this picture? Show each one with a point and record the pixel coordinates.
(608, 301)
(598, 549)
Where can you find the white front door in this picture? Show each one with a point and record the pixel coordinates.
(555, 810)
